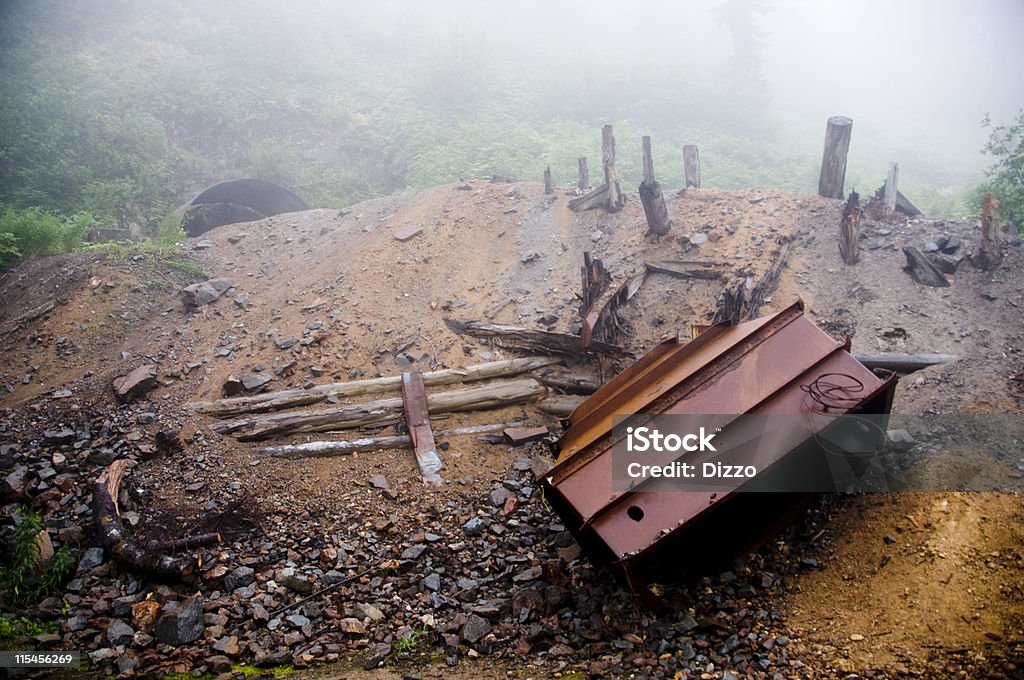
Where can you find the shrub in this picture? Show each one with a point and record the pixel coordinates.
(35, 232)
(1006, 175)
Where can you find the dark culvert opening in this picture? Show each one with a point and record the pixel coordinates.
(238, 200)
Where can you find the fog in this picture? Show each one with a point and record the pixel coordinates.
(916, 76)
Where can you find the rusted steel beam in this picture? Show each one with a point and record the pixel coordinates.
(417, 419)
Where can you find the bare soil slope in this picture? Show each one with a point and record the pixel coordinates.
(360, 302)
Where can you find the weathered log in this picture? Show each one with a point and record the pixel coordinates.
(568, 382)
(594, 291)
(849, 230)
(892, 181)
(328, 448)
(655, 210)
(647, 158)
(584, 174)
(611, 179)
(561, 405)
(272, 401)
(768, 282)
(380, 412)
(686, 269)
(833, 160)
(547, 181)
(533, 341)
(32, 314)
(691, 165)
(111, 532)
(597, 198)
(991, 251)
(904, 363)
(922, 270)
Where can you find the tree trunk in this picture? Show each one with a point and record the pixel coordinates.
(833, 160)
(691, 164)
(533, 341)
(272, 401)
(611, 180)
(849, 230)
(568, 382)
(922, 270)
(381, 412)
(547, 181)
(892, 190)
(584, 174)
(111, 532)
(561, 405)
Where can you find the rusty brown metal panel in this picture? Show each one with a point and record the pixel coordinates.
(762, 366)
(417, 419)
(635, 392)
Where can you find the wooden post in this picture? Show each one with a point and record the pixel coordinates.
(658, 222)
(611, 180)
(892, 181)
(991, 253)
(691, 163)
(849, 230)
(648, 160)
(833, 159)
(547, 180)
(584, 174)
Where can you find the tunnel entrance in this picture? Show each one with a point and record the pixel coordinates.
(238, 200)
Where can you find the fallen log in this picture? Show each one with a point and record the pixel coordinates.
(685, 269)
(328, 448)
(533, 341)
(904, 363)
(767, 283)
(273, 401)
(381, 412)
(922, 270)
(561, 405)
(597, 198)
(568, 382)
(111, 533)
(15, 324)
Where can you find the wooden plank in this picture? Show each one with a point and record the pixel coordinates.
(524, 435)
(417, 419)
(273, 401)
(691, 165)
(686, 269)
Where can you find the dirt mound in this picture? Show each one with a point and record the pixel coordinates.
(328, 295)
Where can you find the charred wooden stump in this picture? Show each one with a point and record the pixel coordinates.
(849, 230)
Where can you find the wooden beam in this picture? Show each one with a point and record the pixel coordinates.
(273, 401)
(686, 269)
(584, 182)
(691, 165)
(904, 363)
(533, 341)
(548, 188)
(646, 158)
(922, 270)
(611, 180)
(380, 412)
(849, 230)
(891, 191)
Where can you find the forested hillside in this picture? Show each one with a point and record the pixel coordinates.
(124, 109)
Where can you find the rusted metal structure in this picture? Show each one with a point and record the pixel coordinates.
(778, 364)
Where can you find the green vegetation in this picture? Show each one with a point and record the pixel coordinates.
(13, 629)
(33, 231)
(20, 579)
(112, 113)
(405, 645)
(1006, 175)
